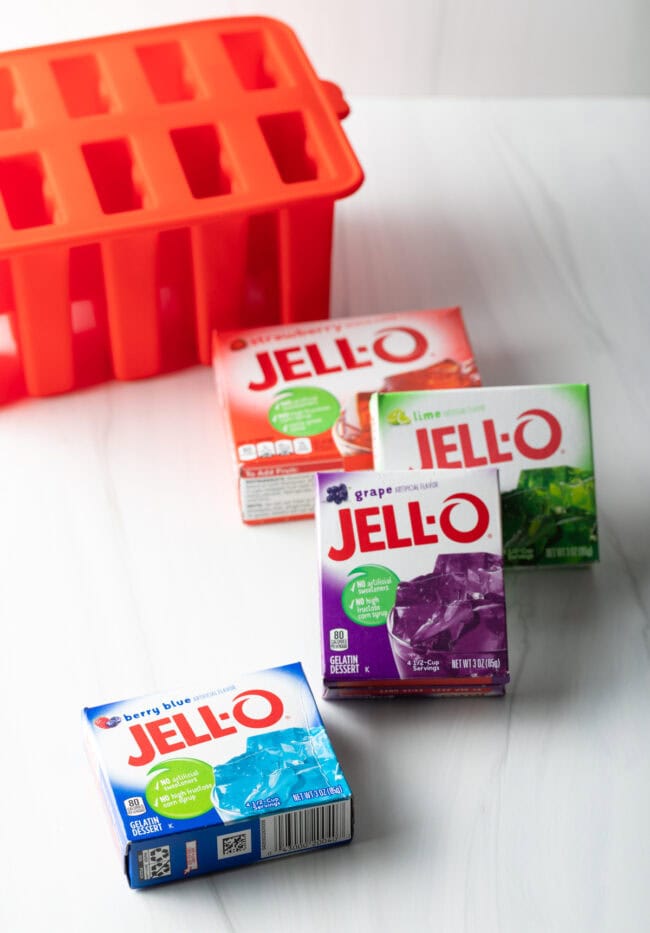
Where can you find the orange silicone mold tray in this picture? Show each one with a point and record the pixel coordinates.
(156, 185)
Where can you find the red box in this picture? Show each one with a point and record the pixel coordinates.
(297, 396)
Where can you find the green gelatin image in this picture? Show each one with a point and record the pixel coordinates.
(550, 518)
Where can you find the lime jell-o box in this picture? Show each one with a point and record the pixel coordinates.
(200, 781)
(411, 584)
(539, 437)
(297, 395)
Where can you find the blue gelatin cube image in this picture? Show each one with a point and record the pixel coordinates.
(274, 767)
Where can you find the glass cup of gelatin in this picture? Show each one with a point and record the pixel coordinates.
(351, 431)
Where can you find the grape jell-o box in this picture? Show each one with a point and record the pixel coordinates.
(538, 436)
(297, 395)
(411, 584)
(200, 782)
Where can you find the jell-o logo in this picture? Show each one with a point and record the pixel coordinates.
(386, 527)
(291, 363)
(456, 447)
(170, 734)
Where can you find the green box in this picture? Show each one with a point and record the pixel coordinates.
(538, 436)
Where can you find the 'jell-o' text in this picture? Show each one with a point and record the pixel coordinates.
(411, 583)
(297, 396)
(539, 437)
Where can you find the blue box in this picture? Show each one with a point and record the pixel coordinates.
(202, 781)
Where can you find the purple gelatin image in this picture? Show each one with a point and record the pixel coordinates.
(457, 611)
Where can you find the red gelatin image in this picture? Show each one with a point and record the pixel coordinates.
(352, 430)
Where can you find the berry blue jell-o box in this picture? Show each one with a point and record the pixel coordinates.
(197, 782)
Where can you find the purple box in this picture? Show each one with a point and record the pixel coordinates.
(411, 583)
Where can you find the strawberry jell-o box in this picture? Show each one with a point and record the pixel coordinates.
(411, 584)
(201, 781)
(538, 436)
(297, 395)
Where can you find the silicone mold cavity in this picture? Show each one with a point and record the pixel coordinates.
(286, 137)
(22, 184)
(111, 168)
(166, 71)
(81, 86)
(10, 116)
(251, 59)
(198, 150)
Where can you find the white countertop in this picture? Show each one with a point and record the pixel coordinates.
(125, 569)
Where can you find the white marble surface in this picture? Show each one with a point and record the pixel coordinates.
(511, 47)
(125, 569)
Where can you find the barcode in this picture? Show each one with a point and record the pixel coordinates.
(154, 863)
(305, 829)
(234, 844)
